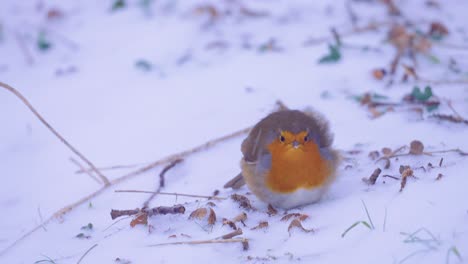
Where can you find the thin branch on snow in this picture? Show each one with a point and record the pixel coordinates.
(244, 241)
(89, 172)
(60, 137)
(176, 209)
(162, 181)
(174, 194)
(86, 253)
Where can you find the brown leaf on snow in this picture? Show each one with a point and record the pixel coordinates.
(212, 217)
(261, 225)
(387, 151)
(141, 219)
(406, 172)
(243, 201)
(379, 74)
(399, 37)
(416, 147)
(374, 155)
(438, 29)
(240, 218)
(229, 223)
(199, 213)
(271, 210)
(298, 216)
(297, 224)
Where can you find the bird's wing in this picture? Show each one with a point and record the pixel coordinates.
(236, 182)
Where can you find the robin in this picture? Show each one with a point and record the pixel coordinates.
(288, 160)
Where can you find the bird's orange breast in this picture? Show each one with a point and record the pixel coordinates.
(295, 168)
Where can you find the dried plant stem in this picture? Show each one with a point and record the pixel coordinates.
(234, 233)
(64, 141)
(176, 209)
(116, 167)
(356, 30)
(174, 194)
(373, 178)
(198, 242)
(86, 253)
(162, 181)
(89, 172)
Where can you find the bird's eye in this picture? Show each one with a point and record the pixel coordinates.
(306, 138)
(281, 138)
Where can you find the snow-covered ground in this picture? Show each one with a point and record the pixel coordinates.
(135, 84)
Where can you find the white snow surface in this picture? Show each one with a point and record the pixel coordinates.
(116, 113)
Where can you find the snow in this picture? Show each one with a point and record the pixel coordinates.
(116, 113)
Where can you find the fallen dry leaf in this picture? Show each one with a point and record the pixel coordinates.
(199, 213)
(416, 147)
(141, 219)
(405, 171)
(271, 210)
(261, 225)
(297, 224)
(240, 217)
(243, 201)
(229, 223)
(212, 217)
(379, 74)
(438, 29)
(387, 151)
(299, 216)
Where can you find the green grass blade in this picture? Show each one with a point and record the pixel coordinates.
(368, 216)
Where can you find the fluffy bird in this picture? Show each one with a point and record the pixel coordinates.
(288, 160)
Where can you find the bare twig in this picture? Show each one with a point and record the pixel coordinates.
(212, 241)
(86, 253)
(64, 141)
(450, 118)
(373, 178)
(163, 172)
(356, 30)
(89, 172)
(176, 209)
(116, 167)
(390, 176)
(161, 181)
(234, 233)
(41, 218)
(174, 194)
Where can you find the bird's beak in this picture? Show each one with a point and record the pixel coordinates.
(296, 144)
